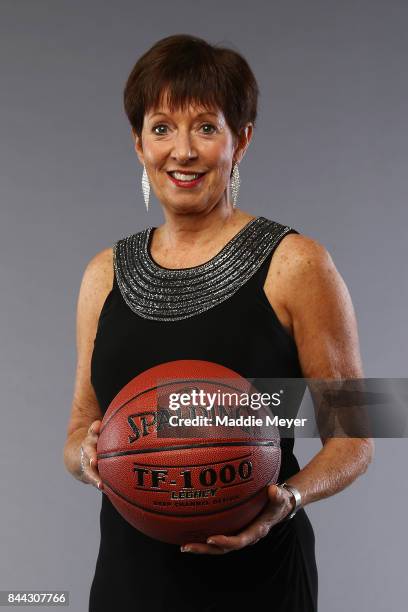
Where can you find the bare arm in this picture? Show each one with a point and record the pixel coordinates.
(325, 331)
(85, 411)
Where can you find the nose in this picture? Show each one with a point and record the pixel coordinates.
(183, 149)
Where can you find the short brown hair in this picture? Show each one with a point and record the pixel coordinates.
(192, 71)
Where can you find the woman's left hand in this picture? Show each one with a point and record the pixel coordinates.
(278, 507)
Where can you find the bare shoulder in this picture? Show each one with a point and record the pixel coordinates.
(300, 266)
(97, 279)
(296, 257)
(100, 268)
(96, 284)
(310, 281)
(297, 252)
(315, 300)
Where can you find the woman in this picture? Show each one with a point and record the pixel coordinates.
(282, 310)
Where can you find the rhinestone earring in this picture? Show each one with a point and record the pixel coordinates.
(145, 187)
(235, 184)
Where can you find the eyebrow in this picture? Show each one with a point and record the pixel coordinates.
(199, 115)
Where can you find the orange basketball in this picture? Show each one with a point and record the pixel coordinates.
(180, 480)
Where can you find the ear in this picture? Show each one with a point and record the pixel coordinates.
(242, 142)
(138, 145)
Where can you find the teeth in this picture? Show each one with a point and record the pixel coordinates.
(184, 177)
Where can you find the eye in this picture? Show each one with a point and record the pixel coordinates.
(157, 126)
(211, 126)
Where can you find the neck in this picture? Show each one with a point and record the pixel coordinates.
(196, 230)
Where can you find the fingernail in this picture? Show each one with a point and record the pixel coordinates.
(90, 462)
(100, 486)
(210, 541)
(185, 549)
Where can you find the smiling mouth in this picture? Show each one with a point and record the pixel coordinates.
(187, 179)
(186, 176)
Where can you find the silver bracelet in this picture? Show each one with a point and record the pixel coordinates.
(297, 497)
(83, 466)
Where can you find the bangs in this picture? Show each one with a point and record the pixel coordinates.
(188, 77)
(180, 95)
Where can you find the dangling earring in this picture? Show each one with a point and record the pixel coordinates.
(235, 184)
(145, 187)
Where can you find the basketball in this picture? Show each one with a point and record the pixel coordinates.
(177, 462)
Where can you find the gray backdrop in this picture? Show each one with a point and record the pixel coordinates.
(329, 157)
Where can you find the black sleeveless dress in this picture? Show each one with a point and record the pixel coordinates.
(217, 312)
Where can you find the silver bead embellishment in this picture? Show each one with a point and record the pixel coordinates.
(165, 294)
(235, 183)
(146, 187)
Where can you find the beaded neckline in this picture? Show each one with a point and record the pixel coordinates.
(172, 294)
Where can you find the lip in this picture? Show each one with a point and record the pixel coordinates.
(184, 184)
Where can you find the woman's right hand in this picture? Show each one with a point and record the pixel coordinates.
(88, 459)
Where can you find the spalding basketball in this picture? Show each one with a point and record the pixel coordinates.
(180, 471)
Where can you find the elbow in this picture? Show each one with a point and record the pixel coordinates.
(65, 457)
(367, 448)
